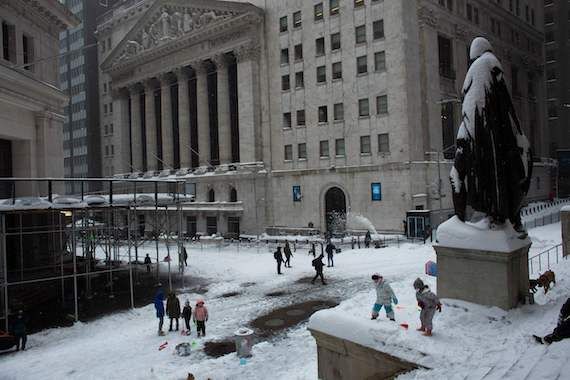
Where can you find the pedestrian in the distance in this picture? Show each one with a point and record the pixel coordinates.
(187, 315)
(313, 249)
(330, 254)
(147, 262)
(367, 239)
(19, 330)
(159, 307)
(562, 330)
(173, 309)
(288, 255)
(184, 256)
(279, 258)
(200, 317)
(429, 303)
(318, 265)
(384, 297)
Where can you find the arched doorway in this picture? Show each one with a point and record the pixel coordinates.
(335, 210)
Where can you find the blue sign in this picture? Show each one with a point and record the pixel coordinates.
(376, 189)
(297, 193)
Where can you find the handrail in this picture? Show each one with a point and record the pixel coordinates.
(547, 253)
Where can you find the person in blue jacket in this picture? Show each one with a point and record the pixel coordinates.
(159, 306)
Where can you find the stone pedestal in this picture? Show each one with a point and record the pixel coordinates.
(565, 224)
(484, 277)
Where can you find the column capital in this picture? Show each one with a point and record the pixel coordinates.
(220, 61)
(200, 67)
(248, 52)
(181, 73)
(165, 79)
(149, 84)
(134, 88)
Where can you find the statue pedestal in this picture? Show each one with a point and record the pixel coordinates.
(484, 277)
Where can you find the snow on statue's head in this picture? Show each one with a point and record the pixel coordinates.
(479, 46)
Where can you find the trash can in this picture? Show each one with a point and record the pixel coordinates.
(244, 342)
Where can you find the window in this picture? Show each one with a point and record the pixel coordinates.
(297, 21)
(383, 143)
(112, 150)
(518, 8)
(110, 107)
(211, 225)
(532, 17)
(376, 191)
(363, 108)
(338, 111)
(335, 41)
(111, 128)
(321, 74)
(105, 109)
(445, 58)
(323, 114)
(469, 12)
(337, 70)
(382, 104)
(298, 52)
(527, 14)
(364, 144)
(380, 61)
(323, 148)
(302, 151)
(339, 147)
(360, 33)
(358, 3)
(548, 17)
(319, 11)
(9, 42)
(320, 46)
(211, 195)
(334, 7)
(361, 65)
(448, 129)
(476, 15)
(28, 51)
(233, 227)
(106, 129)
(287, 120)
(283, 24)
(285, 83)
(515, 79)
(299, 80)
(552, 108)
(549, 36)
(288, 153)
(530, 84)
(285, 56)
(301, 117)
(105, 87)
(378, 29)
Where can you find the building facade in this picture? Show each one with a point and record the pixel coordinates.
(31, 105)
(307, 114)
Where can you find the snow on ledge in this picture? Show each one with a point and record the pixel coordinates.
(565, 209)
(456, 234)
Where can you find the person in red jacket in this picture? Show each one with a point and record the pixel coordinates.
(200, 317)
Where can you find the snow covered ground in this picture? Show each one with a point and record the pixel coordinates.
(469, 339)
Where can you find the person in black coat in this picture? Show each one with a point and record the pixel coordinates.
(330, 254)
(367, 239)
(562, 330)
(279, 258)
(288, 255)
(147, 263)
(184, 256)
(173, 309)
(187, 314)
(19, 330)
(318, 265)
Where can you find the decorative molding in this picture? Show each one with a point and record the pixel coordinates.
(249, 52)
(427, 17)
(461, 31)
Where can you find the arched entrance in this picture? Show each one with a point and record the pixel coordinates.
(335, 210)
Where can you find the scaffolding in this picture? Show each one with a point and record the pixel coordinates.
(68, 256)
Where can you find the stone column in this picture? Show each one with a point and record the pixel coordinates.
(136, 127)
(166, 119)
(150, 125)
(203, 113)
(122, 143)
(224, 127)
(248, 101)
(184, 118)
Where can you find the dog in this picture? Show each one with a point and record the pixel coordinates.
(532, 284)
(545, 279)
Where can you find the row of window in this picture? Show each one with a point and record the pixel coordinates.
(318, 13)
(339, 147)
(108, 129)
(109, 150)
(108, 108)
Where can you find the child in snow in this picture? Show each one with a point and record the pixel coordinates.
(384, 297)
(429, 303)
(159, 306)
(187, 314)
(200, 317)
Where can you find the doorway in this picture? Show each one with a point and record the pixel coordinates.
(335, 210)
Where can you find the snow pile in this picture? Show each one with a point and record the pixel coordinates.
(480, 236)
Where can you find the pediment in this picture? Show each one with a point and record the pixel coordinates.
(168, 22)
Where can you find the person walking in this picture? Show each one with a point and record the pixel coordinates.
(313, 249)
(147, 262)
(384, 297)
(429, 303)
(173, 309)
(187, 315)
(367, 239)
(279, 258)
(330, 248)
(288, 254)
(318, 265)
(19, 330)
(562, 330)
(159, 307)
(184, 256)
(200, 317)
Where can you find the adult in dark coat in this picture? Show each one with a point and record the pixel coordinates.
(330, 254)
(288, 255)
(19, 330)
(367, 239)
(562, 330)
(159, 307)
(184, 256)
(318, 265)
(173, 309)
(187, 314)
(147, 262)
(279, 258)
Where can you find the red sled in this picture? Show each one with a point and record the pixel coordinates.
(162, 346)
(404, 325)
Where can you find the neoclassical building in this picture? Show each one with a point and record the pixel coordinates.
(289, 113)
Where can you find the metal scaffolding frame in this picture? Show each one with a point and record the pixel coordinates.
(86, 232)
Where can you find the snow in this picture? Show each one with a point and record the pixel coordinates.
(480, 236)
(469, 339)
(565, 209)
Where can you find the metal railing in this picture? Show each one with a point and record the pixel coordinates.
(557, 251)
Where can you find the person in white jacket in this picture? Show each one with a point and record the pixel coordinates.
(384, 297)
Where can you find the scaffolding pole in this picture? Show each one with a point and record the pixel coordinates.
(5, 267)
(130, 260)
(74, 253)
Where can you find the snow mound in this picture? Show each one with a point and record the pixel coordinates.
(480, 236)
